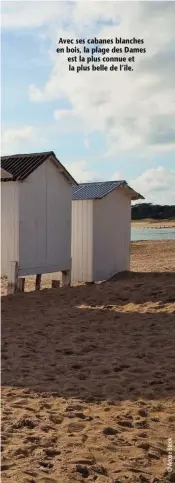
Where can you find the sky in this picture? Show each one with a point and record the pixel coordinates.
(101, 125)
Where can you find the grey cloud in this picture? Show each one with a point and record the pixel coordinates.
(161, 64)
(156, 9)
(161, 130)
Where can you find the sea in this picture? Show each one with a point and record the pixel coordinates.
(152, 234)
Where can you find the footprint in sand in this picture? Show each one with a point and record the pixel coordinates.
(25, 423)
(108, 431)
(51, 453)
(32, 439)
(55, 419)
(45, 465)
(75, 427)
(5, 467)
(46, 480)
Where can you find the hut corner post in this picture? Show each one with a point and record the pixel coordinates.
(66, 278)
(38, 281)
(12, 277)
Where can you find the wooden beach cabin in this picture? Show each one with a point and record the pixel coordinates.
(36, 198)
(101, 226)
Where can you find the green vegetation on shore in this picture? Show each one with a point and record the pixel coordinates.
(142, 211)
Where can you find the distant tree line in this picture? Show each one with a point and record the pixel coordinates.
(149, 210)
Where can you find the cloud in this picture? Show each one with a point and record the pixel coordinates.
(15, 138)
(157, 185)
(35, 94)
(21, 139)
(135, 111)
(116, 176)
(25, 15)
(86, 142)
(79, 170)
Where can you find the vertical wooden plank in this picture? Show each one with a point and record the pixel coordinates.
(12, 277)
(38, 281)
(21, 284)
(66, 278)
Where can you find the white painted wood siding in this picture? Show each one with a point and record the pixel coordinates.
(45, 221)
(9, 224)
(111, 227)
(82, 241)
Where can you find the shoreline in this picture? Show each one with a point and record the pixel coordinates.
(150, 223)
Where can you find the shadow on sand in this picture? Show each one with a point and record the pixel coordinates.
(110, 341)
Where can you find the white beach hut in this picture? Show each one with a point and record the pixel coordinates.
(35, 216)
(101, 225)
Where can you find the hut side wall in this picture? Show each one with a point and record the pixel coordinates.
(111, 228)
(45, 221)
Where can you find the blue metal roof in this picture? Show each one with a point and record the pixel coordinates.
(97, 190)
(91, 191)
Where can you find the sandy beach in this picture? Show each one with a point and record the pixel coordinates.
(150, 223)
(87, 376)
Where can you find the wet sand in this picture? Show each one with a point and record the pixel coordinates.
(87, 377)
